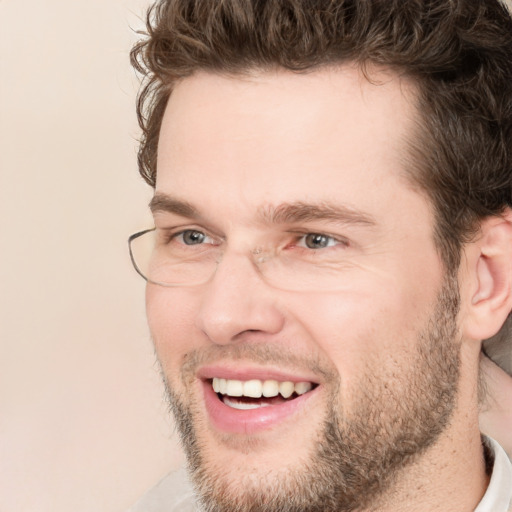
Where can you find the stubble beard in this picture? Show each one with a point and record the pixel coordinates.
(357, 458)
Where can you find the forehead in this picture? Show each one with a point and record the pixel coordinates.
(278, 136)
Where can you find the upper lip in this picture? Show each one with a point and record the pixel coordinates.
(248, 372)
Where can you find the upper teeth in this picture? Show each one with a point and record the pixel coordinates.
(258, 388)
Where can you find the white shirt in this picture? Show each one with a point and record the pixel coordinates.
(174, 493)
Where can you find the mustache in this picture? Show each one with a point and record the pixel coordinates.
(260, 353)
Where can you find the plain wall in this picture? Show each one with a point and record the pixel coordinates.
(83, 423)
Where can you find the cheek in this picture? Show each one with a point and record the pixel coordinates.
(171, 323)
(366, 331)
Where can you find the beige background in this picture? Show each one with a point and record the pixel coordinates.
(83, 426)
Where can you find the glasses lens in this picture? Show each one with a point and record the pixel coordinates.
(296, 274)
(185, 262)
(163, 262)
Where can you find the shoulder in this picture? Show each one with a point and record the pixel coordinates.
(172, 494)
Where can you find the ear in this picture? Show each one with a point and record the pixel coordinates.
(489, 258)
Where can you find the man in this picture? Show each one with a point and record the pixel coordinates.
(332, 243)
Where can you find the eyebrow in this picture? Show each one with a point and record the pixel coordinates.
(285, 213)
(290, 213)
(165, 203)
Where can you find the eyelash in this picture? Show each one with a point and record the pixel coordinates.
(330, 239)
(169, 235)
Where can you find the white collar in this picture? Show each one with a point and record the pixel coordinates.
(498, 497)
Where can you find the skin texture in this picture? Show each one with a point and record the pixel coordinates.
(395, 364)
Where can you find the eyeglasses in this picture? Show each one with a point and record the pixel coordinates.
(298, 262)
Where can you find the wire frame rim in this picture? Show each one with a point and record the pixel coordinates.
(133, 237)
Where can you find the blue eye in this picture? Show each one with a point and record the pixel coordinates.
(192, 237)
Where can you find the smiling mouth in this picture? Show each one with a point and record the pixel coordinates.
(254, 393)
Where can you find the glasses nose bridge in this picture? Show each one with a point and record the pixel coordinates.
(247, 250)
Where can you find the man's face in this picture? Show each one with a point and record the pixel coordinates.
(374, 342)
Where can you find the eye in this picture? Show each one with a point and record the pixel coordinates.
(317, 241)
(192, 237)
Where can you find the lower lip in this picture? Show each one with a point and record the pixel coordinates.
(252, 421)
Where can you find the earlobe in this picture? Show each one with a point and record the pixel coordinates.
(491, 301)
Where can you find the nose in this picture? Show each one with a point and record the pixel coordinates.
(236, 301)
